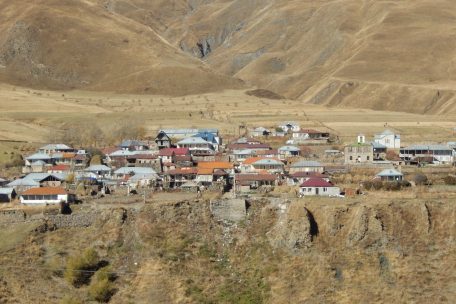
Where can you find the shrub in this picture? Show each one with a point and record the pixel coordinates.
(80, 268)
(405, 184)
(392, 186)
(420, 179)
(450, 180)
(368, 185)
(101, 288)
(377, 184)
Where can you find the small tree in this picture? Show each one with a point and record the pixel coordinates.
(101, 288)
(80, 267)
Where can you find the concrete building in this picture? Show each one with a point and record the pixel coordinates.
(360, 152)
(318, 187)
(434, 154)
(389, 139)
(307, 166)
(46, 195)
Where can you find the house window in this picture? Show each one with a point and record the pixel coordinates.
(324, 189)
(351, 157)
(367, 157)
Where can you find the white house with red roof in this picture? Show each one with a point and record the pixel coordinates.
(318, 187)
(46, 195)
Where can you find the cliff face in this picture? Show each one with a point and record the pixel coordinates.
(303, 252)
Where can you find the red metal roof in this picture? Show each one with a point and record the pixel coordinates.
(317, 182)
(60, 168)
(45, 191)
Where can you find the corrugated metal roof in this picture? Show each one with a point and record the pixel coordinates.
(306, 163)
(289, 149)
(135, 170)
(427, 147)
(7, 191)
(38, 156)
(390, 172)
(192, 140)
(55, 147)
(96, 168)
(268, 161)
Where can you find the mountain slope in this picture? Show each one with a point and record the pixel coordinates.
(380, 54)
(79, 44)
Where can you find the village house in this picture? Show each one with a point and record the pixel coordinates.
(147, 160)
(379, 151)
(246, 140)
(133, 145)
(288, 151)
(167, 155)
(55, 148)
(262, 165)
(289, 126)
(259, 132)
(210, 172)
(37, 163)
(306, 166)
(59, 169)
(300, 177)
(241, 155)
(196, 144)
(360, 152)
(390, 175)
(185, 133)
(434, 154)
(215, 141)
(310, 136)
(318, 187)
(46, 195)
(125, 173)
(142, 180)
(388, 139)
(163, 140)
(97, 172)
(177, 177)
(7, 195)
(81, 160)
(247, 181)
(37, 180)
(272, 153)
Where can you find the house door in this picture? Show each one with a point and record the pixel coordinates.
(317, 191)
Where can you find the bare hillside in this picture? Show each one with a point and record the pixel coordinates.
(385, 55)
(80, 44)
(394, 55)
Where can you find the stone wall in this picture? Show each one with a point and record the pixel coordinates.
(12, 216)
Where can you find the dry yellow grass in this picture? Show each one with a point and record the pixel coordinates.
(31, 115)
